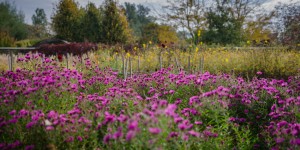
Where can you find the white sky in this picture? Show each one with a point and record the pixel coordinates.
(28, 6)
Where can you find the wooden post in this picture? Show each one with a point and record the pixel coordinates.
(116, 66)
(123, 65)
(201, 64)
(126, 68)
(130, 66)
(10, 60)
(138, 64)
(177, 64)
(160, 60)
(189, 63)
(67, 60)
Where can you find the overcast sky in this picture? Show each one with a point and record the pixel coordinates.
(28, 6)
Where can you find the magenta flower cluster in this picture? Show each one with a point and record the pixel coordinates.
(97, 107)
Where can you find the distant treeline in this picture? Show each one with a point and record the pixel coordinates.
(223, 22)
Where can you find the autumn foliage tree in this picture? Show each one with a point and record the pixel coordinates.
(159, 34)
(114, 24)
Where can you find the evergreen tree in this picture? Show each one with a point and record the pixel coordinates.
(114, 25)
(91, 23)
(66, 20)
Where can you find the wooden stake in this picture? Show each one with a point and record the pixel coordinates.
(160, 60)
(67, 60)
(130, 66)
(138, 64)
(189, 63)
(10, 60)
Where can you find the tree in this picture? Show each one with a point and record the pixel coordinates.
(138, 17)
(150, 33)
(257, 30)
(223, 27)
(91, 23)
(39, 21)
(191, 15)
(114, 24)
(12, 22)
(288, 23)
(66, 20)
(159, 34)
(186, 14)
(240, 9)
(39, 18)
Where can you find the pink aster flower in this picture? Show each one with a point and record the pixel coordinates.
(154, 130)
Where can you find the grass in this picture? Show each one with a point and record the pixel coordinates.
(273, 63)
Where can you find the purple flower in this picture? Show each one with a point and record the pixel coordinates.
(130, 135)
(295, 141)
(170, 110)
(29, 147)
(30, 124)
(79, 138)
(122, 118)
(118, 134)
(198, 122)
(109, 118)
(194, 133)
(70, 139)
(52, 114)
(106, 138)
(178, 119)
(279, 140)
(49, 128)
(259, 73)
(13, 112)
(154, 130)
(194, 99)
(171, 92)
(185, 125)
(173, 134)
(185, 137)
(133, 125)
(232, 119)
(23, 113)
(281, 124)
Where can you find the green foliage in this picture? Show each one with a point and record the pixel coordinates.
(6, 40)
(150, 33)
(222, 28)
(91, 23)
(27, 42)
(39, 18)
(114, 24)
(138, 17)
(39, 21)
(66, 20)
(12, 21)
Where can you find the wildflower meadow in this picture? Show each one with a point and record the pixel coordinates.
(44, 105)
